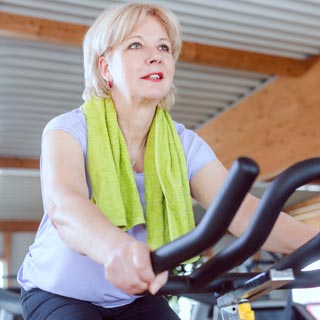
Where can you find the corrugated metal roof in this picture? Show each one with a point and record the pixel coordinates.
(39, 80)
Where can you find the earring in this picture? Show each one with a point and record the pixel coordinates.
(109, 84)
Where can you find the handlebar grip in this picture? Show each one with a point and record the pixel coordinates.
(261, 224)
(215, 221)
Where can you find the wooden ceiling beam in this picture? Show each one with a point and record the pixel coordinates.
(19, 163)
(244, 60)
(26, 27)
(72, 34)
(19, 225)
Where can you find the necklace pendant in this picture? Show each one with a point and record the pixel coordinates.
(133, 163)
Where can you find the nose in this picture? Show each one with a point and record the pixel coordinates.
(155, 61)
(154, 57)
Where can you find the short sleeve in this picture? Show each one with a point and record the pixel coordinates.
(72, 122)
(197, 151)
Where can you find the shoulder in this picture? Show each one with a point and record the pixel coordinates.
(198, 153)
(72, 122)
(191, 141)
(188, 137)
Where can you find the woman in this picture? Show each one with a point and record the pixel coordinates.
(119, 166)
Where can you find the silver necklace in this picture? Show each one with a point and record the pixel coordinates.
(133, 163)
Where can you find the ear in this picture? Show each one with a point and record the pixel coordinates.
(104, 68)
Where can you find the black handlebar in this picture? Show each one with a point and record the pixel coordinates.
(261, 224)
(252, 239)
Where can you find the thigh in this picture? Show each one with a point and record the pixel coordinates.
(147, 308)
(41, 305)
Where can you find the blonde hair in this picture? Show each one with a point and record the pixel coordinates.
(110, 29)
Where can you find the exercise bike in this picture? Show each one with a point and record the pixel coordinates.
(233, 292)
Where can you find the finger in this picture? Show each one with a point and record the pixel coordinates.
(159, 281)
(121, 270)
(134, 284)
(142, 263)
(125, 277)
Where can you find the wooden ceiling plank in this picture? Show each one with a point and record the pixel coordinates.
(244, 60)
(41, 29)
(19, 163)
(19, 225)
(72, 34)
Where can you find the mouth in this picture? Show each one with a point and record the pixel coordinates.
(153, 76)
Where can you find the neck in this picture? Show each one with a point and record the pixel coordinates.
(135, 121)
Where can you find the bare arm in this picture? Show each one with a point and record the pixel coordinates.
(82, 226)
(205, 185)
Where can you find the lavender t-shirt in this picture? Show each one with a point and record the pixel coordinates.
(50, 265)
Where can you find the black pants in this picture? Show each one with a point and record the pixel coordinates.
(41, 305)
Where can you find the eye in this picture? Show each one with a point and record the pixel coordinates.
(164, 47)
(135, 45)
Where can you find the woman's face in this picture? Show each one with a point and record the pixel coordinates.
(142, 67)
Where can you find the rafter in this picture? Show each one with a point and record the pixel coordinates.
(72, 34)
(19, 163)
(244, 60)
(41, 29)
(19, 225)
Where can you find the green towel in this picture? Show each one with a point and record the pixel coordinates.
(168, 202)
